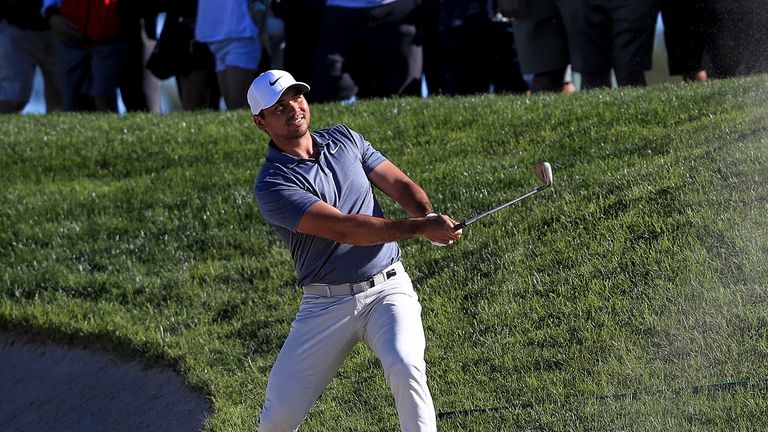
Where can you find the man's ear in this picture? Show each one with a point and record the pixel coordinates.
(259, 122)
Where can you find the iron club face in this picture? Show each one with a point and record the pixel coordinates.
(542, 171)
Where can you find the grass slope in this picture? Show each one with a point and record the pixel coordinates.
(642, 269)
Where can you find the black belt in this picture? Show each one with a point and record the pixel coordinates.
(354, 288)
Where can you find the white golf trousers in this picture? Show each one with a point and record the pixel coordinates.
(388, 318)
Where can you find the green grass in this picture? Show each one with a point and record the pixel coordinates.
(643, 268)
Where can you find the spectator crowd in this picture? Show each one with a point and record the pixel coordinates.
(349, 49)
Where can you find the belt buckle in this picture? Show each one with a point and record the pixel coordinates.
(369, 283)
(356, 288)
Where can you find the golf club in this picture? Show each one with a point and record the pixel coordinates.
(542, 170)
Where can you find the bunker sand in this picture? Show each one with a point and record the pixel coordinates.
(50, 387)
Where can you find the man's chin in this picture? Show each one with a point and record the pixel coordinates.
(298, 132)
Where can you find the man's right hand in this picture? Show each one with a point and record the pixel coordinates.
(440, 231)
(64, 29)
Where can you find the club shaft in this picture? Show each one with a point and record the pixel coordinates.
(474, 219)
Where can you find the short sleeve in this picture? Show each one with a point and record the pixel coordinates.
(281, 203)
(370, 158)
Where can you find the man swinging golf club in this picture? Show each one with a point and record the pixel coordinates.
(315, 190)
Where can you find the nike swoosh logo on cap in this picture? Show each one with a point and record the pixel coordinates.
(272, 83)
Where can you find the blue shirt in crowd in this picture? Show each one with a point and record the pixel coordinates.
(219, 20)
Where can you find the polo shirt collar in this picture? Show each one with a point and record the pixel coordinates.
(277, 156)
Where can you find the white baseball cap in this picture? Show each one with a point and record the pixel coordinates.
(267, 88)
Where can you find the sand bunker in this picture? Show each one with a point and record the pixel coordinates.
(49, 387)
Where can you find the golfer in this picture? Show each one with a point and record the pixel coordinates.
(315, 190)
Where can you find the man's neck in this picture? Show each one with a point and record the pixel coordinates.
(303, 147)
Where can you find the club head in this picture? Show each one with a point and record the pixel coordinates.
(543, 171)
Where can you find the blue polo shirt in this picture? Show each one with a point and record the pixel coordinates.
(287, 186)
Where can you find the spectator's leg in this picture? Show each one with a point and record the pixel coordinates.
(632, 36)
(684, 37)
(234, 82)
(237, 64)
(16, 71)
(39, 48)
(106, 65)
(74, 64)
(393, 62)
(632, 78)
(594, 44)
(505, 66)
(595, 80)
(198, 90)
(331, 80)
(52, 79)
(550, 81)
(572, 14)
(152, 85)
(459, 62)
(131, 80)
